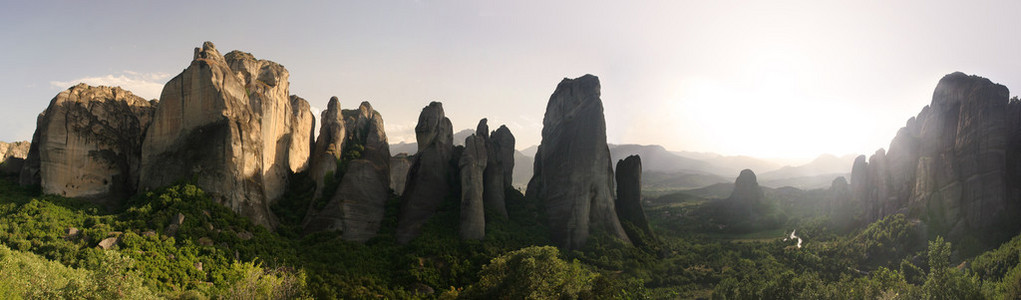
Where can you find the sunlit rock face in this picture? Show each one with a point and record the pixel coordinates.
(400, 164)
(87, 144)
(955, 165)
(431, 175)
(228, 123)
(13, 157)
(357, 205)
(329, 146)
(572, 175)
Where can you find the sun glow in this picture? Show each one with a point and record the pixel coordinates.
(768, 113)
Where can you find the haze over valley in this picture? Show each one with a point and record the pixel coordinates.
(510, 150)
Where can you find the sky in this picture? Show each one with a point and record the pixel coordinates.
(776, 79)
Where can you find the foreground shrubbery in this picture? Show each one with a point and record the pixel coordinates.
(213, 253)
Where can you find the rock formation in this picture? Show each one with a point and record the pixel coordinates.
(357, 205)
(499, 168)
(229, 124)
(400, 164)
(746, 189)
(572, 175)
(473, 165)
(629, 201)
(954, 165)
(13, 157)
(841, 209)
(430, 178)
(87, 144)
(329, 146)
(302, 135)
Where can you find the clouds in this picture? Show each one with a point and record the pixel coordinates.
(145, 85)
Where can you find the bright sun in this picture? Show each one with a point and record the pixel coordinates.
(769, 112)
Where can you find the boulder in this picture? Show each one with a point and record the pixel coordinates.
(87, 144)
(629, 201)
(430, 178)
(572, 175)
(12, 157)
(400, 164)
(473, 165)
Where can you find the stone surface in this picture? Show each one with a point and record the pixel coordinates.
(572, 175)
(228, 123)
(12, 157)
(87, 144)
(747, 189)
(473, 165)
(357, 206)
(329, 146)
(302, 135)
(400, 164)
(430, 179)
(108, 243)
(954, 165)
(499, 168)
(629, 201)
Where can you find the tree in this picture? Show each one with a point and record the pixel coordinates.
(534, 272)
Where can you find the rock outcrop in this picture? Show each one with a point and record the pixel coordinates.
(88, 144)
(357, 205)
(430, 178)
(499, 168)
(302, 135)
(12, 159)
(229, 124)
(473, 165)
(841, 209)
(629, 202)
(955, 165)
(572, 175)
(400, 164)
(329, 146)
(746, 189)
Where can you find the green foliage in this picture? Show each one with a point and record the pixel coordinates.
(31, 276)
(535, 272)
(945, 282)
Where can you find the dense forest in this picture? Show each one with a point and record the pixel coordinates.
(177, 243)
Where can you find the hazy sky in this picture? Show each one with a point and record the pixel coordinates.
(761, 78)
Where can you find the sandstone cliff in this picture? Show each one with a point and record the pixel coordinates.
(228, 123)
(430, 178)
(13, 157)
(954, 165)
(357, 205)
(629, 202)
(472, 166)
(87, 144)
(572, 175)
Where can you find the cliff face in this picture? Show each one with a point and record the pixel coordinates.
(955, 165)
(87, 144)
(228, 122)
(357, 206)
(431, 174)
(572, 175)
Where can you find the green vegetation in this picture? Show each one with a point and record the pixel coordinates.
(49, 248)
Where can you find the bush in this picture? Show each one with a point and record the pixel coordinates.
(535, 272)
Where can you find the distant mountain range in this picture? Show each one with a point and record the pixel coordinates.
(673, 170)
